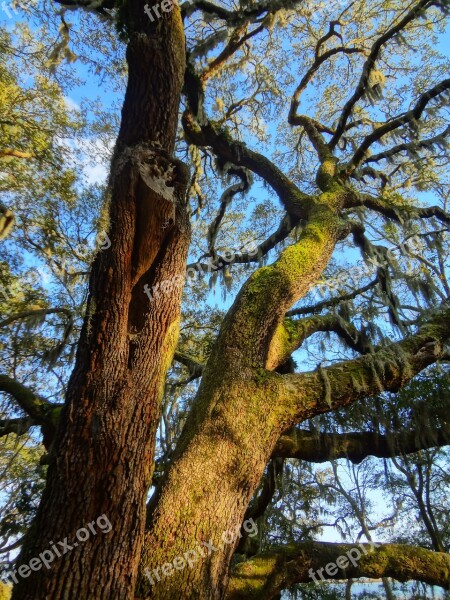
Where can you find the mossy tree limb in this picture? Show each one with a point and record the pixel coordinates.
(304, 395)
(265, 575)
(355, 446)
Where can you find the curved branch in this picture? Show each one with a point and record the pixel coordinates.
(305, 310)
(265, 575)
(293, 118)
(295, 202)
(318, 447)
(286, 227)
(292, 333)
(301, 396)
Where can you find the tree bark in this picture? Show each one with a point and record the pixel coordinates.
(264, 576)
(102, 457)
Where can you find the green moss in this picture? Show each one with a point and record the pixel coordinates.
(5, 591)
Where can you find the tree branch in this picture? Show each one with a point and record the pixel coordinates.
(369, 64)
(409, 147)
(409, 117)
(318, 447)
(286, 226)
(301, 396)
(35, 313)
(194, 367)
(315, 308)
(18, 426)
(295, 202)
(265, 575)
(237, 17)
(41, 412)
(397, 213)
(236, 41)
(292, 333)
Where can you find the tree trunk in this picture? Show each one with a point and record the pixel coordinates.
(196, 515)
(101, 461)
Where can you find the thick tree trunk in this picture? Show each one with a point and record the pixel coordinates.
(101, 460)
(195, 520)
(196, 515)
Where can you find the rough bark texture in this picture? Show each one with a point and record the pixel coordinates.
(232, 426)
(265, 575)
(102, 457)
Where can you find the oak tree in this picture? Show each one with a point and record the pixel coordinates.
(265, 146)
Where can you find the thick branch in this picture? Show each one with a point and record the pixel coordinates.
(265, 575)
(295, 202)
(18, 426)
(239, 16)
(194, 367)
(39, 410)
(14, 153)
(291, 334)
(397, 213)
(318, 447)
(302, 396)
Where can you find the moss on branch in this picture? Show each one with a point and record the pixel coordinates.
(265, 575)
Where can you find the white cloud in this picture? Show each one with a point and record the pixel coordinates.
(71, 104)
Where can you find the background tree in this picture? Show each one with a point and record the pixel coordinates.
(345, 152)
